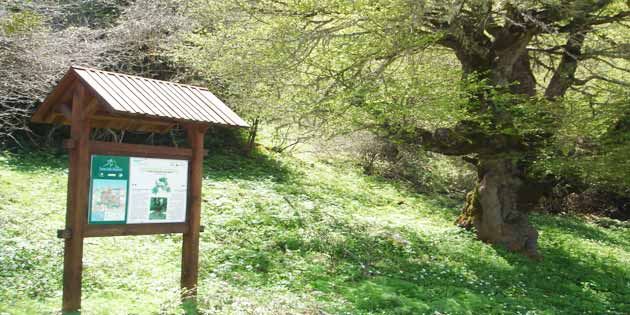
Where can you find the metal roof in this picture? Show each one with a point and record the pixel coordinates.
(134, 96)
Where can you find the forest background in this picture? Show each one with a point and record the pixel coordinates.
(506, 108)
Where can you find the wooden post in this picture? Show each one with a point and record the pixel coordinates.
(190, 248)
(76, 212)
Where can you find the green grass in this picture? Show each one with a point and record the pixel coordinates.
(288, 235)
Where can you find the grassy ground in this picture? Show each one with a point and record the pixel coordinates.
(305, 236)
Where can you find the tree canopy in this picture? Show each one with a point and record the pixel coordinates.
(519, 88)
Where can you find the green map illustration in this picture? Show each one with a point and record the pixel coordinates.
(161, 185)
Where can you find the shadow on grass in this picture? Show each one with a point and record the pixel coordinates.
(449, 207)
(573, 280)
(565, 282)
(35, 161)
(222, 166)
(577, 228)
(401, 271)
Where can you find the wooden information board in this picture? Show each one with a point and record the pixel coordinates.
(136, 190)
(117, 189)
(124, 189)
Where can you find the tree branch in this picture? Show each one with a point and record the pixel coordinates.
(564, 75)
(575, 24)
(601, 78)
(467, 137)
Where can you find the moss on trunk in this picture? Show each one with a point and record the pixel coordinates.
(471, 210)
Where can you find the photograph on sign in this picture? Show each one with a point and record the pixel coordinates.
(133, 190)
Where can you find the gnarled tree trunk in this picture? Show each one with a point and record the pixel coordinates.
(493, 208)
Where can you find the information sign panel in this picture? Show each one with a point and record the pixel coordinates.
(135, 190)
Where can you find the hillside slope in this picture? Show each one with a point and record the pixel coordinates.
(287, 235)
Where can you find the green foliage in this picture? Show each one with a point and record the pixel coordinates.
(332, 67)
(269, 64)
(591, 145)
(21, 22)
(303, 235)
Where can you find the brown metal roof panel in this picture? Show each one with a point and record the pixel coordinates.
(193, 99)
(223, 108)
(202, 108)
(116, 87)
(217, 107)
(185, 102)
(99, 90)
(159, 105)
(159, 94)
(129, 92)
(156, 105)
(135, 77)
(139, 95)
(224, 118)
(162, 95)
(190, 111)
(109, 90)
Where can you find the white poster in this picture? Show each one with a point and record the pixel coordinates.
(157, 190)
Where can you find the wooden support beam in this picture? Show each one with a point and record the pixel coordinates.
(117, 122)
(190, 248)
(76, 213)
(141, 150)
(98, 230)
(65, 110)
(92, 106)
(61, 116)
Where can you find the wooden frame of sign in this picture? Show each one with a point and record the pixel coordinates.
(90, 109)
(81, 148)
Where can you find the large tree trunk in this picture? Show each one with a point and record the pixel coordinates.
(492, 208)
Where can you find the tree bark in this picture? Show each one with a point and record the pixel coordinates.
(492, 208)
